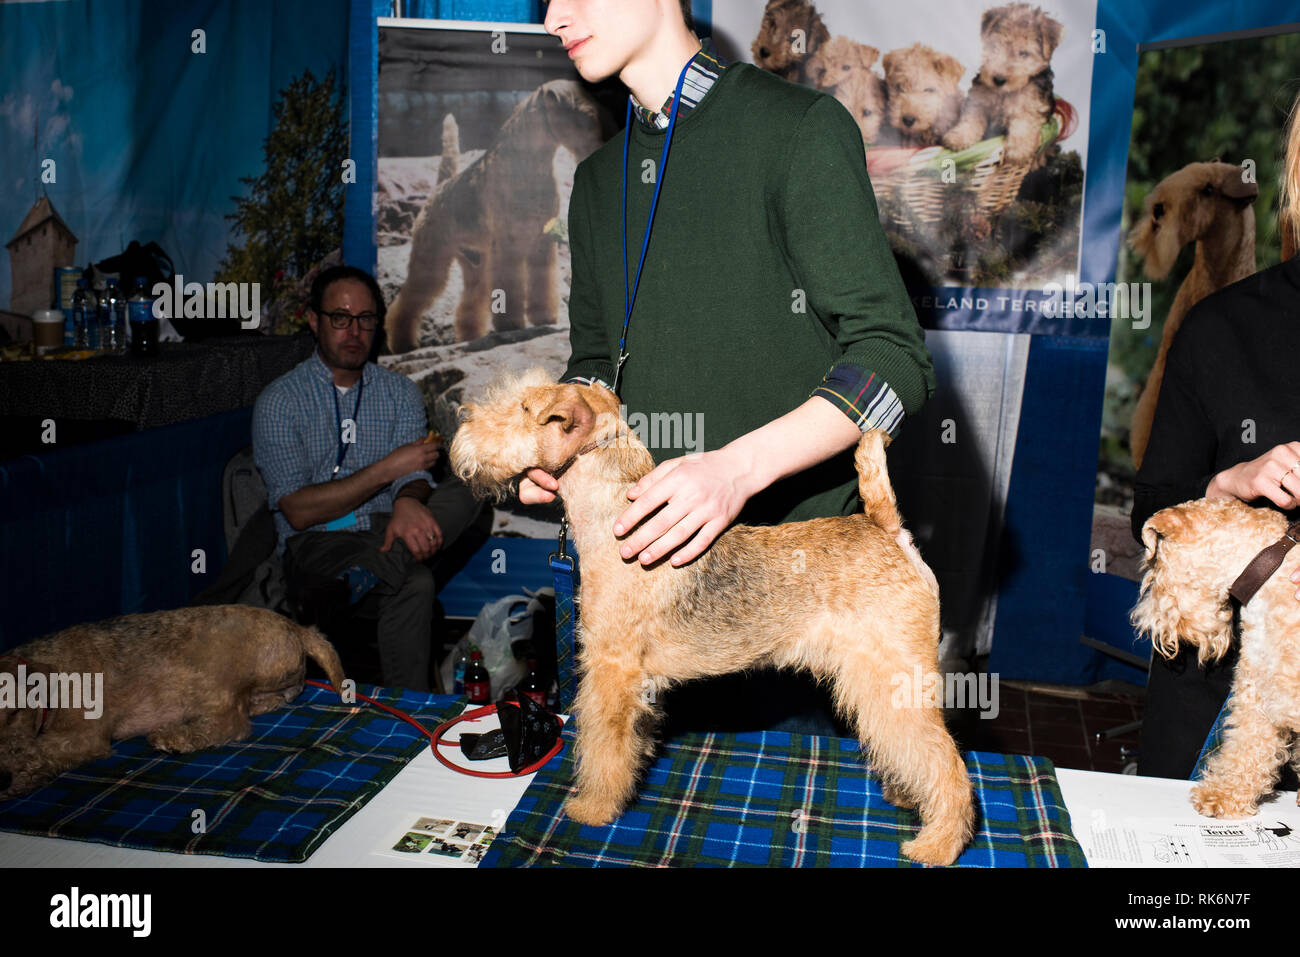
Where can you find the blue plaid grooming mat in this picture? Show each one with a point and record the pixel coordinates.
(305, 769)
(771, 799)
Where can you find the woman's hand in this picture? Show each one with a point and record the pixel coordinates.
(1275, 475)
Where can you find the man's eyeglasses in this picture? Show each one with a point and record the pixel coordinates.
(342, 319)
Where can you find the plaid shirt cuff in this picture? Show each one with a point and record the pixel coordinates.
(586, 380)
(863, 396)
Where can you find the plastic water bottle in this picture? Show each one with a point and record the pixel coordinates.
(84, 309)
(112, 335)
(93, 317)
(458, 673)
(144, 324)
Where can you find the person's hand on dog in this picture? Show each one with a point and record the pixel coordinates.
(413, 523)
(417, 456)
(701, 495)
(537, 487)
(1275, 475)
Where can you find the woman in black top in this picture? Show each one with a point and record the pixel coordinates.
(1227, 425)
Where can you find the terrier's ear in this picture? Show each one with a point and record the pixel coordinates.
(1165, 523)
(1050, 34)
(570, 412)
(992, 19)
(869, 56)
(815, 70)
(1234, 185)
(949, 67)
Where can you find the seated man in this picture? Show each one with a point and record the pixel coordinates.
(341, 444)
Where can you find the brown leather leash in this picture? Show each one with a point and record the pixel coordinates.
(1263, 565)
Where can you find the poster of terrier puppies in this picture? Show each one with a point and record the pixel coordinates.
(974, 118)
(1199, 214)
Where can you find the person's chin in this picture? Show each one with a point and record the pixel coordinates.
(351, 358)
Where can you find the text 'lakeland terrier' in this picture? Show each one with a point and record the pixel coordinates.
(848, 599)
(189, 678)
(1194, 554)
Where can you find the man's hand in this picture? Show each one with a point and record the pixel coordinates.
(701, 495)
(537, 488)
(1275, 475)
(417, 456)
(415, 526)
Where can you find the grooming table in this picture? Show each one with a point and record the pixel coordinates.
(771, 799)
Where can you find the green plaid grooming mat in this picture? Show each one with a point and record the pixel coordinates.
(277, 796)
(771, 799)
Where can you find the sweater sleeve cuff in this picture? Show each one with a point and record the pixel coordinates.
(864, 396)
(588, 370)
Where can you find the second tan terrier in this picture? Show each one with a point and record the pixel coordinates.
(1194, 554)
(847, 598)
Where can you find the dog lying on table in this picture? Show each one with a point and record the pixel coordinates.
(859, 608)
(1195, 555)
(189, 679)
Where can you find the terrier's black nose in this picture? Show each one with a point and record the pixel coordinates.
(909, 120)
(999, 80)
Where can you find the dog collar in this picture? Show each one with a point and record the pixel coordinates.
(1263, 565)
(589, 447)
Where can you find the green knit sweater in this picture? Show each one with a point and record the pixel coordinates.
(766, 271)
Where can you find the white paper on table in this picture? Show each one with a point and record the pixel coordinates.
(1166, 843)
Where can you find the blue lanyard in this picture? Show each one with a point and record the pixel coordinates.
(338, 417)
(630, 297)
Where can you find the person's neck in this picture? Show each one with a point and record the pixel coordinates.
(652, 74)
(344, 378)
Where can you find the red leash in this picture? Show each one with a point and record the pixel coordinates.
(435, 736)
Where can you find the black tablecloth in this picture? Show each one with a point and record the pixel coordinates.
(185, 381)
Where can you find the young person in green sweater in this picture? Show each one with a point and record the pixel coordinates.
(769, 308)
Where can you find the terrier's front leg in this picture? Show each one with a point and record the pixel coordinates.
(1023, 134)
(613, 713)
(1246, 766)
(968, 130)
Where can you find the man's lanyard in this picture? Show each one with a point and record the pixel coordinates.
(630, 296)
(338, 417)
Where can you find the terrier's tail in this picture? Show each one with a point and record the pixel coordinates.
(879, 503)
(873, 481)
(322, 652)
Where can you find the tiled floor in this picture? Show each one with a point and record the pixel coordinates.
(1055, 722)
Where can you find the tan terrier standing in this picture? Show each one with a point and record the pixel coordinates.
(1012, 92)
(490, 217)
(1209, 204)
(924, 93)
(848, 599)
(1194, 553)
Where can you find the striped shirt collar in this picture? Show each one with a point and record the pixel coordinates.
(704, 71)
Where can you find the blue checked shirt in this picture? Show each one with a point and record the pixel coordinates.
(296, 433)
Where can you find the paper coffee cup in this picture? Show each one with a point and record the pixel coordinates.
(47, 330)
